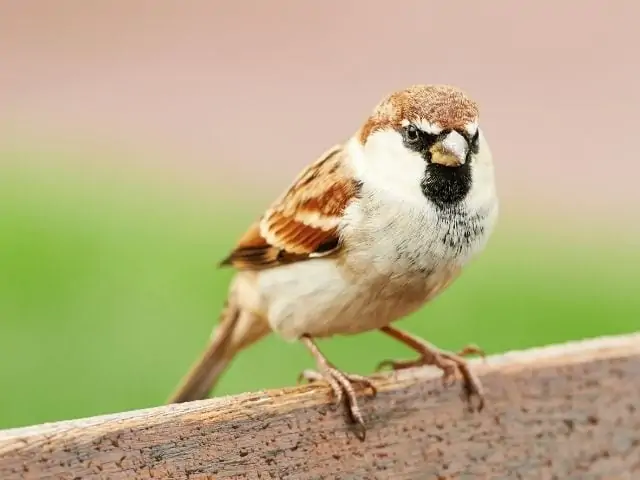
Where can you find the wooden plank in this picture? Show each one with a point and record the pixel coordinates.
(564, 411)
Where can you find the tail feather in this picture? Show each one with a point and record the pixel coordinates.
(204, 374)
(237, 330)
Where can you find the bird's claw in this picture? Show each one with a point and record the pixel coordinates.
(450, 364)
(342, 387)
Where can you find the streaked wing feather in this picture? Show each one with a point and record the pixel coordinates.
(303, 222)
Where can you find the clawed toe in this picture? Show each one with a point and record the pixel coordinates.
(310, 376)
(471, 349)
(397, 364)
(342, 385)
(448, 367)
(363, 381)
(450, 364)
(472, 391)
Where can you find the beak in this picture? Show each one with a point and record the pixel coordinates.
(451, 151)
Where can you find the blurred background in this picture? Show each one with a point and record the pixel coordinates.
(139, 139)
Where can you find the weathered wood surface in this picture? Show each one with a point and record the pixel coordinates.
(565, 411)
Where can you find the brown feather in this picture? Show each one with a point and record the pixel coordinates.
(442, 105)
(303, 222)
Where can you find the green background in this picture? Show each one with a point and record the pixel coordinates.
(109, 291)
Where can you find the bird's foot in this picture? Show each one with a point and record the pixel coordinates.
(450, 363)
(342, 384)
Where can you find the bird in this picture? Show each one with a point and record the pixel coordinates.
(375, 228)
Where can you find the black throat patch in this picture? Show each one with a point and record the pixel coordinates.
(446, 186)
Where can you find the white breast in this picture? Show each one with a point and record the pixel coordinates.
(395, 238)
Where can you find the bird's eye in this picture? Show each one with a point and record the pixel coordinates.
(411, 134)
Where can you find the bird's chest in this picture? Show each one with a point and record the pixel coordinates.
(404, 242)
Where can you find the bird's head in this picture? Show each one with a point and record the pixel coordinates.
(425, 136)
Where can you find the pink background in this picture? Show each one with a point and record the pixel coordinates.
(264, 87)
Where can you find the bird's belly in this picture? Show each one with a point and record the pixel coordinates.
(395, 260)
(321, 298)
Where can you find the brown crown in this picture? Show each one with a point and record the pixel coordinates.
(443, 105)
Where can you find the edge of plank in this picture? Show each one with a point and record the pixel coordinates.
(572, 352)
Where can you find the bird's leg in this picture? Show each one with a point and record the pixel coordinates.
(448, 362)
(340, 382)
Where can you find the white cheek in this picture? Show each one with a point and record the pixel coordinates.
(482, 196)
(483, 188)
(384, 163)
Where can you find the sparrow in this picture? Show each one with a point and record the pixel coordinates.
(375, 228)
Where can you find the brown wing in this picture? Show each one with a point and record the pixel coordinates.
(303, 222)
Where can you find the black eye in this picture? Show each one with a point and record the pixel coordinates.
(411, 134)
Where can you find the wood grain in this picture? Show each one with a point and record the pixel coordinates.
(565, 411)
